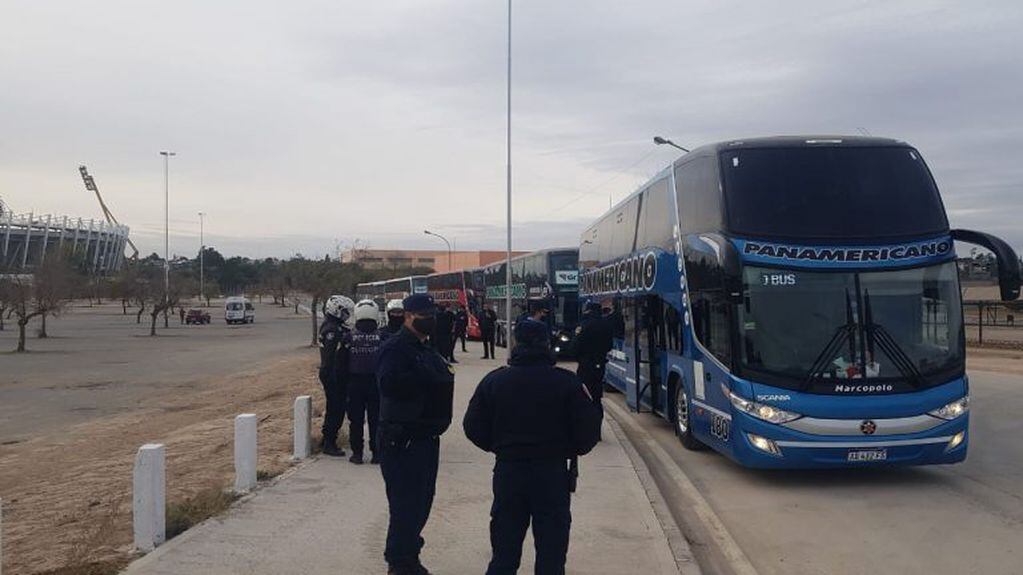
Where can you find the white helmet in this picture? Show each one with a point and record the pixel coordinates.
(395, 305)
(339, 307)
(366, 309)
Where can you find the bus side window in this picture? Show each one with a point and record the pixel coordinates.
(710, 304)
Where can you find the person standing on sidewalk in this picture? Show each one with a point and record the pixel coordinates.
(488, 325)
(442, 333)
(594, 339)
(363, 342)
(416, 396)
(461, 325)
(334, 369)
(537, 419)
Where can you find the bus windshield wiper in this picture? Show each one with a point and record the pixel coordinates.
(842, 334)
(877, 334)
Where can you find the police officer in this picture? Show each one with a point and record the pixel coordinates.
(594, 339)
(363, 342)
(395, 318)
(461, 325)
(488, 325)
(537, 419)
(416, 393)
(334, 368)
(443, 331)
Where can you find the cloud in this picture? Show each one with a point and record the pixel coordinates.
(326, 122)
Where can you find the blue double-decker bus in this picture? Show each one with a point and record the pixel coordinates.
(792, 302)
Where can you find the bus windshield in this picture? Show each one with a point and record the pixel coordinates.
(798, 326)
(830, 192)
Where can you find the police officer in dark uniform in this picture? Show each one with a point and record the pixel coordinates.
(537, 419)
(488, 327)
(363, 342)
(594, 339)
(334, 369)
(395, 318)
(461, 326)
(416, 394)
(443, 332)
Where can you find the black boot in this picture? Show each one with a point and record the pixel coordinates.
(331, 448)
(356, 458)
(373, 459)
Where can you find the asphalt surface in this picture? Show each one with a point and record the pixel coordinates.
(98, 362)
(965, 518)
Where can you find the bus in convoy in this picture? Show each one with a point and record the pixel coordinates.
(792, 302)
(454, 290)
(548, 277)
(382, 292)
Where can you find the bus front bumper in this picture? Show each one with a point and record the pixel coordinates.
(759, 444)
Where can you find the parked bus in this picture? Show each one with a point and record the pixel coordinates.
(455, 289)
(792, 302)
(548, 276)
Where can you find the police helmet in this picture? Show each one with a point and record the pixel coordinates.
(395, 307)
(339, 307)
(366, 309)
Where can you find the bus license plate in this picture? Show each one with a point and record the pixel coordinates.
(868, 455)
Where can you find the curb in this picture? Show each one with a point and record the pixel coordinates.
(685, 562)
(697, 519)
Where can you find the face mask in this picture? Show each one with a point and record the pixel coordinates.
(424, 325)
(395, 320)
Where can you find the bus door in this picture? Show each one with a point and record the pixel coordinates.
(650, 338)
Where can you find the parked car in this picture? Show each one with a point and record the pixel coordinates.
(197, 316)
(239, 310)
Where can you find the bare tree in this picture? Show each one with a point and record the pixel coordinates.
(31, 296)
(54, 287)
(162, 302)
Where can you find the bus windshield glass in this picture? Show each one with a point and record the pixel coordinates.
(798, 326)
(830, 192)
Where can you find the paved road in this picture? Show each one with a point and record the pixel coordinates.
(965, 518)
(98, 362)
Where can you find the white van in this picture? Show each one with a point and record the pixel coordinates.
(239, 310)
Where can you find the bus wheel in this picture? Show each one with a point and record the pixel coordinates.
(683, 427)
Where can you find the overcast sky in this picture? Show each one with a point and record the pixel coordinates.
(300, 126)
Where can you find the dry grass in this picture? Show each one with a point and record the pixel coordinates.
(67, 497)
(183, 515)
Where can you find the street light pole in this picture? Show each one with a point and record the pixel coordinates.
(507, 267)
(429, 233)
(202, 274)
(661, 141)
(166, 231)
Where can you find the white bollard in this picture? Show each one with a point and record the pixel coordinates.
(244, 452)
(148, 497)
(303, 426)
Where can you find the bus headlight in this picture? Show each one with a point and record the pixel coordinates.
(563, 337)
(956, 441)
(952, 410)
(764, 444)
(768, 413)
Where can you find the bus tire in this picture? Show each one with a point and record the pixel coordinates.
(681, 410)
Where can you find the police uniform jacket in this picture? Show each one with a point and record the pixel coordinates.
(531, 409)
(363, 342)
(594, 339)
(333, 350)
(416, 389)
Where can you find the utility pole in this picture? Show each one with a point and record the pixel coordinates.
(507, 267)
(166, 232)
(202, 274)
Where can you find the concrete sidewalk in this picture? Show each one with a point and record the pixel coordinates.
(330, 516)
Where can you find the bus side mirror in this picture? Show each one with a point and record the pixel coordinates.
(1008, 261)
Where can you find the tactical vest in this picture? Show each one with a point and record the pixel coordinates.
(362, 350)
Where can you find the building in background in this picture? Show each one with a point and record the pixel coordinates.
(27, 239)
(437, 260)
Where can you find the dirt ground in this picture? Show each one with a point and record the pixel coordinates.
(67, 499)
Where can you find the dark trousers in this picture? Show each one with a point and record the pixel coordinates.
(488, 347)
(337, 402)
(410, 477)
(363, 406)
(460, 336)
(592, 376)
(525, 491)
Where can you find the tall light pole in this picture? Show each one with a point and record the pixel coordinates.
(661, 141)
(202, 274)
(429, 233)
(166, 231)
(507, 267)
